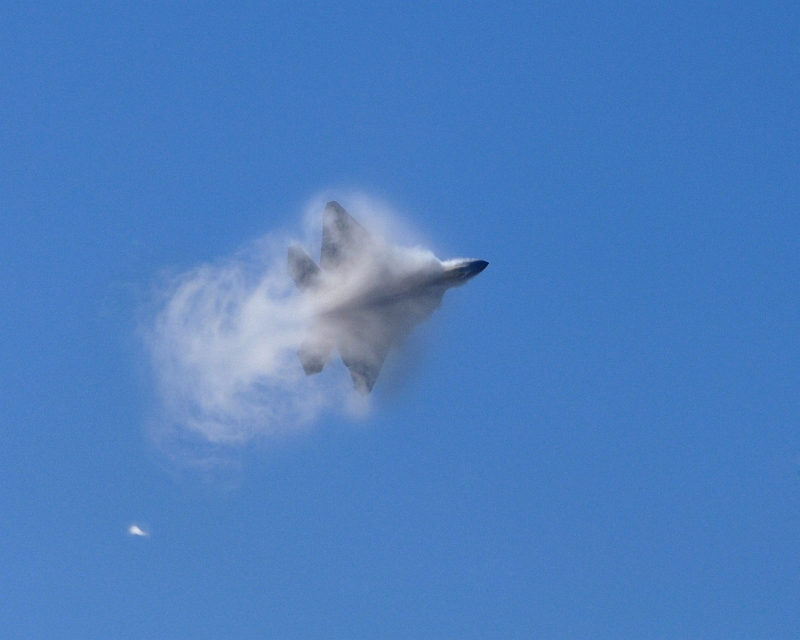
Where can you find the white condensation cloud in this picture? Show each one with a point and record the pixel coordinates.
(223, 338)
(223, 346)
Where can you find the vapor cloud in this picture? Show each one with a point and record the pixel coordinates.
(223, 346)
(223, 340)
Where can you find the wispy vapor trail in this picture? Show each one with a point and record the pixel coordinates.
(223, 348)
(224, 338)
(231, 342)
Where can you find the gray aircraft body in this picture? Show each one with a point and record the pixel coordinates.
(368, 296)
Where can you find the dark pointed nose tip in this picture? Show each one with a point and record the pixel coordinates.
(477, 266)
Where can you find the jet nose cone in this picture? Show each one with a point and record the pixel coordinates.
(476, 266)
(463, 270)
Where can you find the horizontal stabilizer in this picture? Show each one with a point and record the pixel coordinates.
(315, 352)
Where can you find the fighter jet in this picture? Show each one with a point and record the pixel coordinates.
(368, 295)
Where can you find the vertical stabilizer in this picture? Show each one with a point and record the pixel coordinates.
(302, 269)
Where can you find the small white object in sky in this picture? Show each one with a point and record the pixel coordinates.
(136, 531)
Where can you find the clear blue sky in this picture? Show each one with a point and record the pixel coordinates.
(601, 439)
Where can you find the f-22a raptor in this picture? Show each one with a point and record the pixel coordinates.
(368, 295)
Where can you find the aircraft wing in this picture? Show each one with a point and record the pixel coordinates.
(363, 342)
(344, 241)
(364, 361)
(365, 337)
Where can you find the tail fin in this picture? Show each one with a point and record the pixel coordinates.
(302, 269)
(343, 239)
